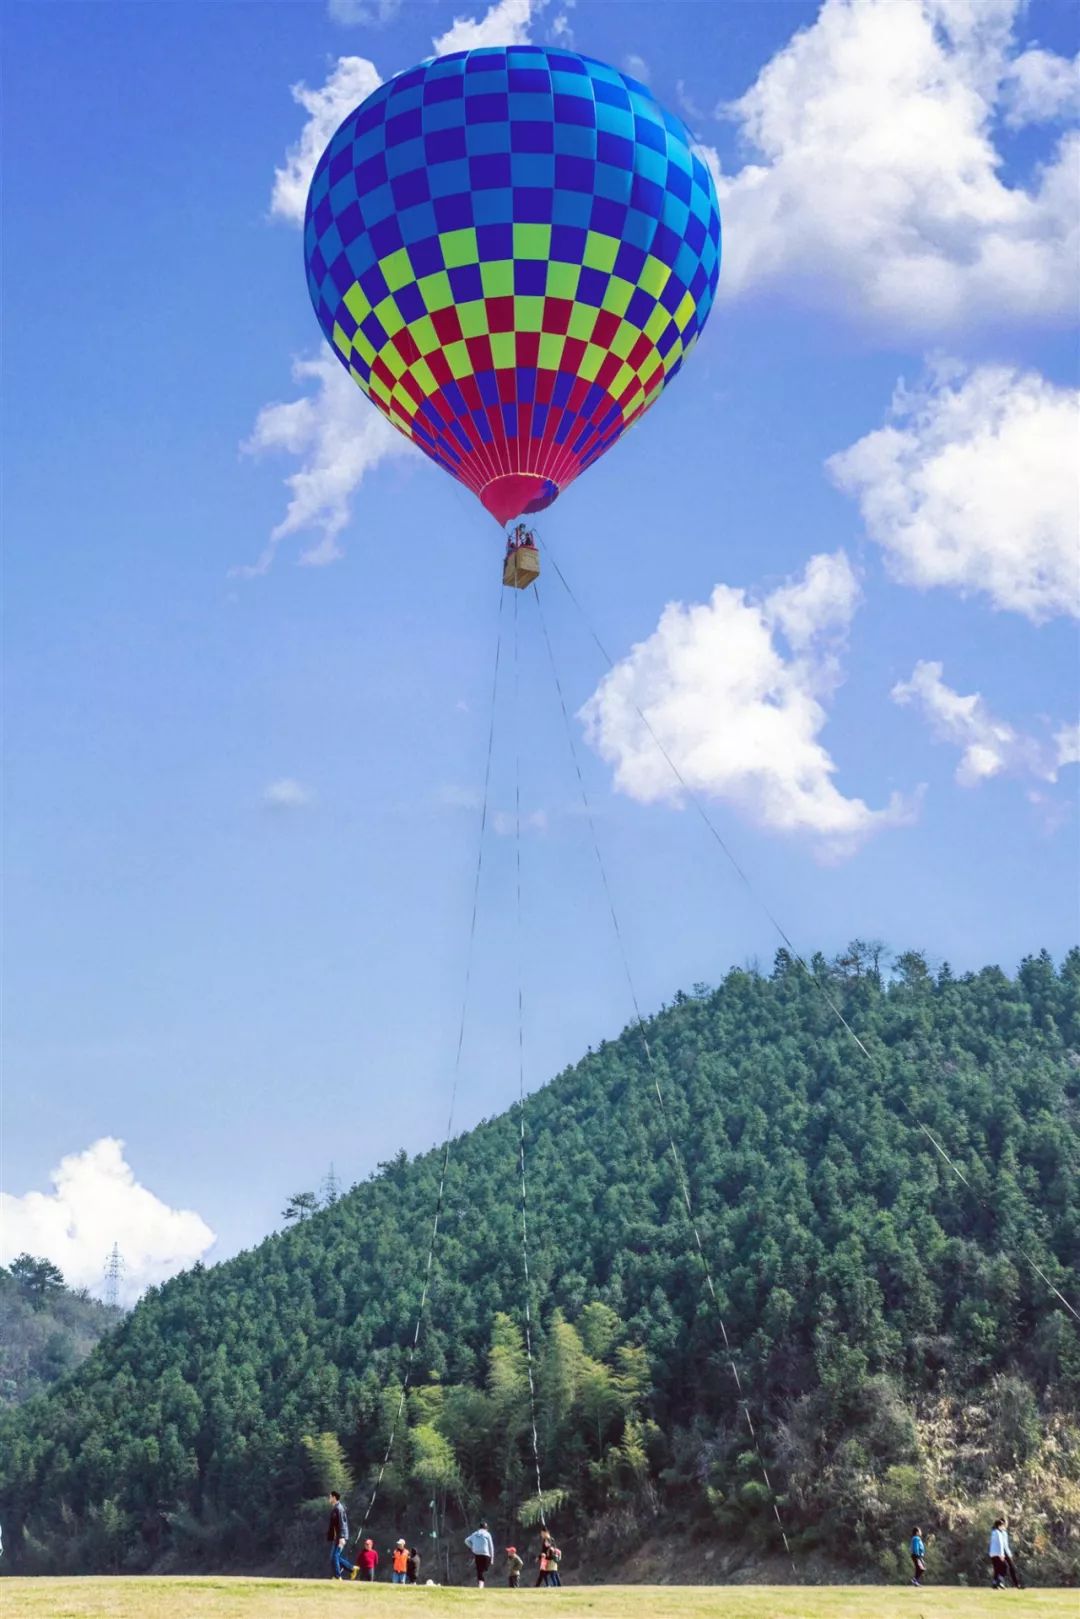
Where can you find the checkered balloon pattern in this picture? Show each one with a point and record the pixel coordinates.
(512, 251)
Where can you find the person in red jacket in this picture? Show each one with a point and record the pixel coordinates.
(368, 1561)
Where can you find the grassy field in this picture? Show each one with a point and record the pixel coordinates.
(220, 1598)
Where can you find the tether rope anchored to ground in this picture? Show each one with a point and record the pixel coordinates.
(519, 953)
(683, 1183)
(456, 1076)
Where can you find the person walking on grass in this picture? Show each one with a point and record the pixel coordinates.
(1001, 1558)
(918, 1555)
(543, 1565)
(514, 1566)
(554, 1559)
(999, 1539)
(482, 1547)
(337, 1533)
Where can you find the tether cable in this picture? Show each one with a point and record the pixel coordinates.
(521, 1079)
(406, 1380)
(796, 954)
(684, 1187)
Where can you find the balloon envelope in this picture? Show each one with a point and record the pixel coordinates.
(512, 251)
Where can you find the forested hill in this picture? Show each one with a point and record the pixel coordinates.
(46, 1328)
(903, 1363)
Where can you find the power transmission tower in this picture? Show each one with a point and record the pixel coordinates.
(331, 1188)
(114, 1269)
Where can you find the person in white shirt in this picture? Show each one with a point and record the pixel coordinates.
(482, 1547)
(1000, 1554)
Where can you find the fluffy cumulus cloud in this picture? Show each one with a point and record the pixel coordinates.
(1041, 87)
(95, 1202)
(508, 22)
(352, 80)
(329, 428)
(287, 794)
(989, 746)
(735, 690)
(875, 182)
(338, 439)
(972, 485)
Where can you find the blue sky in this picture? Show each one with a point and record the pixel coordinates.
(240, 788)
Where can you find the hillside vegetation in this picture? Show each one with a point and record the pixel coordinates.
(48, 1328)
(901, 1360)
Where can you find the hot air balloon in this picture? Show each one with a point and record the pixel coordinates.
(512, 251)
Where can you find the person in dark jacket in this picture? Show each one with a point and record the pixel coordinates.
(412, 1567)
(337, 1533)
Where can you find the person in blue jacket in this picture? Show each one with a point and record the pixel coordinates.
(918, 1555)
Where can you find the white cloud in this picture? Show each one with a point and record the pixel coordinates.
(877, 185)
(1067, 745)
(738, 714)
(353, 79)
(288, 794)
(972, 485)
(695, 113)
(95, 1202)
(339, 437)
(508, 22)
(1041, 87)
(989, 746)
(504, 822)
(372, 13)
(821, 603)
(636, 66)
(711, 159)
